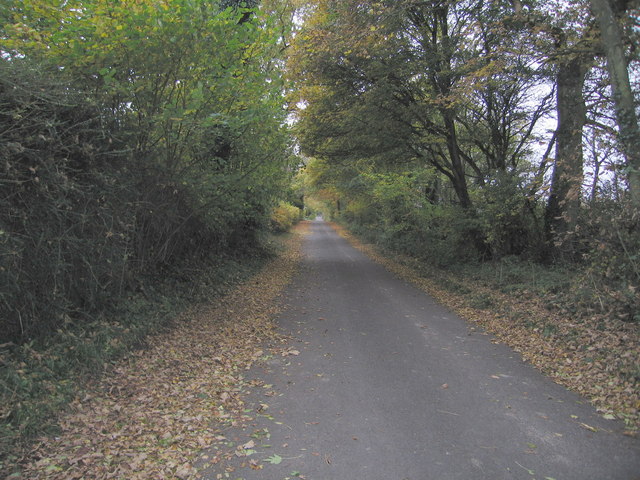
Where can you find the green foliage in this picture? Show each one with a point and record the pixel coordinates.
(508, 218)
(405, 83)
(138, 135)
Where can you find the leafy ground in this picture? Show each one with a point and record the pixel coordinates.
(40, 377)
(151, 415)
(594, 356)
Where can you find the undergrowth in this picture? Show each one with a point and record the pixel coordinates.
(39, 378)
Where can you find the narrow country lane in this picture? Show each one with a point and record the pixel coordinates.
(388, 385)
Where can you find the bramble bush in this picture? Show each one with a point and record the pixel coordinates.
(67, 209)
(610, 237)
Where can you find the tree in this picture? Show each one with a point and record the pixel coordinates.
(566, 48)
(565, 195)
(613, 46)
(415, 80)
(571, 47)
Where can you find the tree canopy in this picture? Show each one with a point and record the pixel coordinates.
(466, 88)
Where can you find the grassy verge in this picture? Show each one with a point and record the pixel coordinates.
(39, 379)
(542, 313)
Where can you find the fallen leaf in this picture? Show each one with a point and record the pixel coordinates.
(274, 459)
(184, 471)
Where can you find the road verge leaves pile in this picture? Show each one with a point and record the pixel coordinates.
(599, 360)
(152, 415)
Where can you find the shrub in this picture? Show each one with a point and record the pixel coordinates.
(507, 218)
(610, 234)
(284, 216)
(67, 209)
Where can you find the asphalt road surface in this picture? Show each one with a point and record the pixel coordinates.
(388, 385)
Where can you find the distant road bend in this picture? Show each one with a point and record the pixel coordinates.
(389, 385)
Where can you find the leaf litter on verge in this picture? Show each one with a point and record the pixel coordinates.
(156, 410)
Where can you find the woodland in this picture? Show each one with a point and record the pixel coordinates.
(147, 146)
(480, 133)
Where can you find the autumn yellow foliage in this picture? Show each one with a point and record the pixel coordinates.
(284, 216)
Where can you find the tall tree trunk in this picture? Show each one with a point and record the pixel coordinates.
(566, 184)
(458, 177)
(611, 34)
